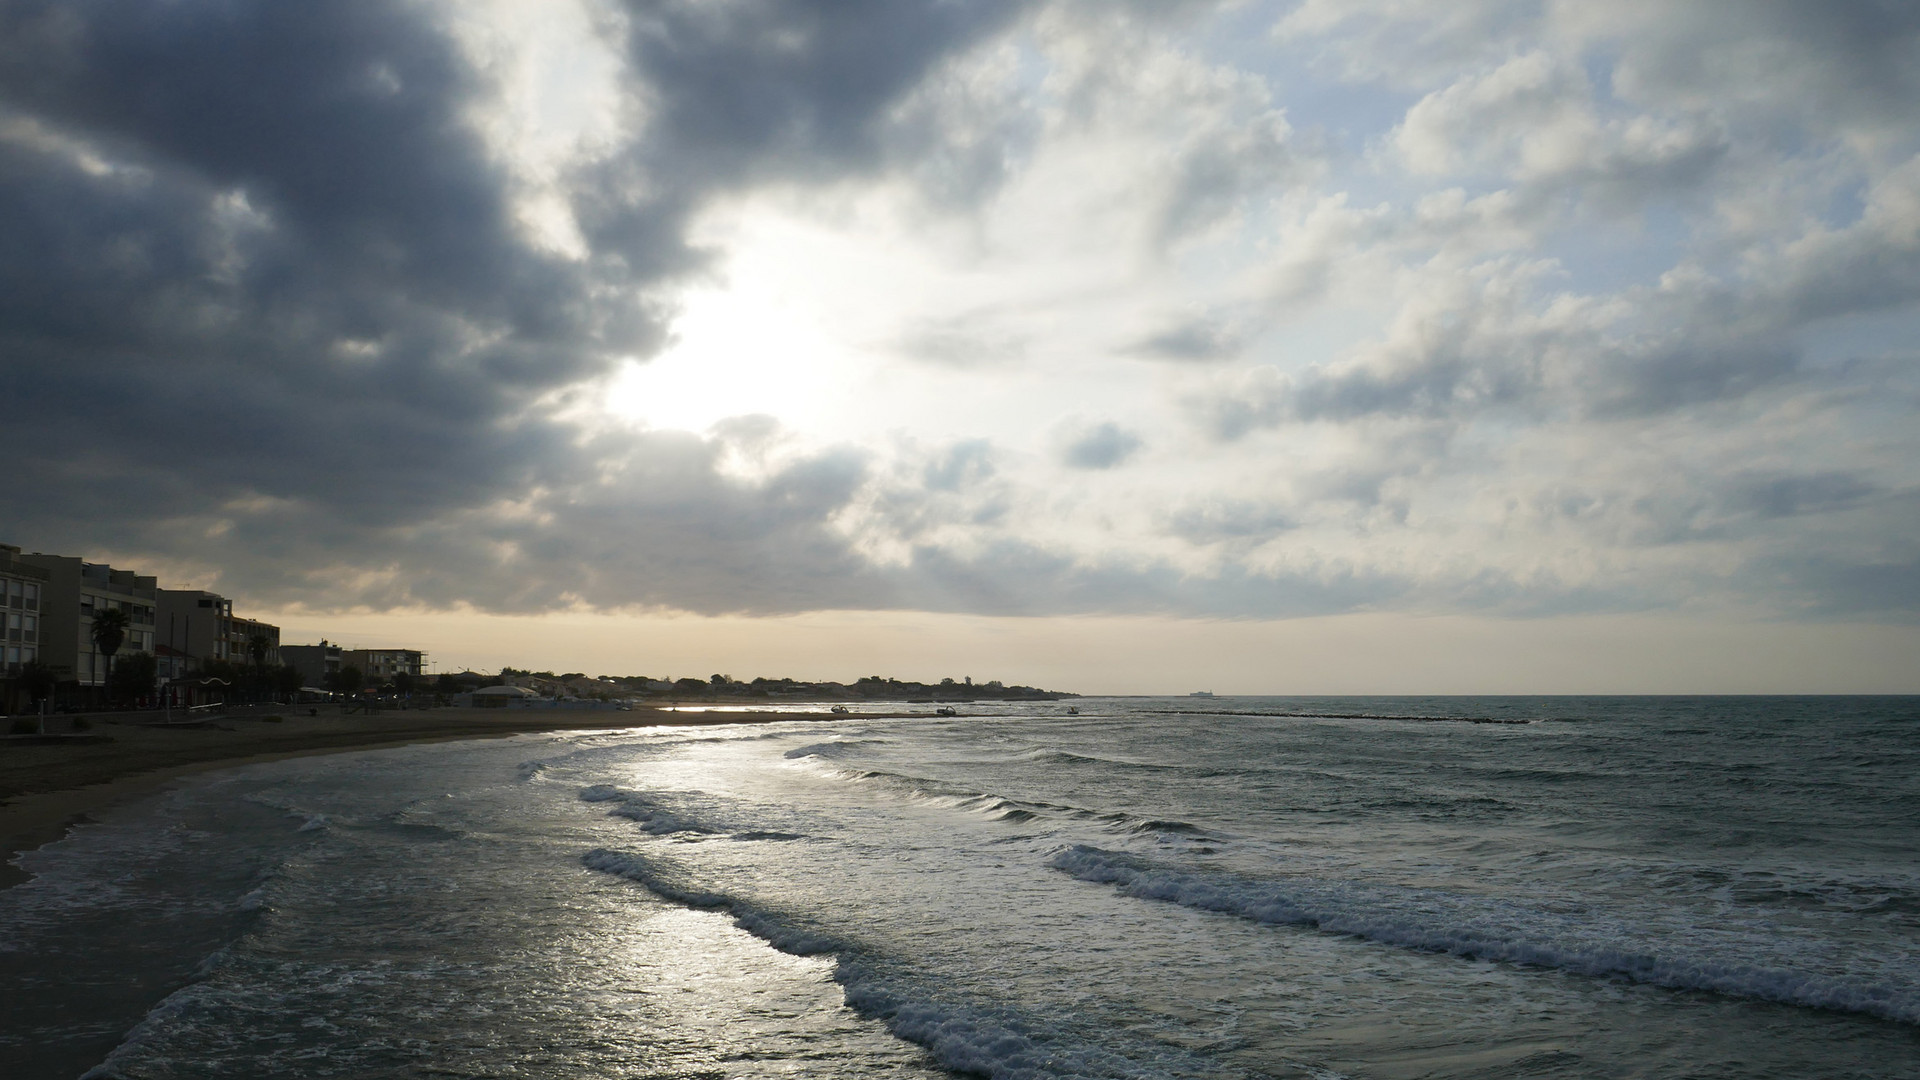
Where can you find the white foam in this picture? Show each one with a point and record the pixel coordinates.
(984, 1041)
(652, 818)
(1432, 921)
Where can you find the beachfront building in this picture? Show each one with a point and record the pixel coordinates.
(255, 642)
(538, 684)
(379, 666)
(196, 626)
(318, 665)
(20, 587)
(70, 593)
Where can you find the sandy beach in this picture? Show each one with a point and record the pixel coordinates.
(47, 788)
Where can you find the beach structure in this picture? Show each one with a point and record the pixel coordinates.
(71, 591)
(248, 632)
(20, 588)
(318, 664)
(539, 685)
(499, 697)
(201, 626)
(381, 665)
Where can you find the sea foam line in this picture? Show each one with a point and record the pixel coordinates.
(991, 1042)
(1346, 909)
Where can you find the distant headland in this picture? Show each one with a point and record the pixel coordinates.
(727, 688)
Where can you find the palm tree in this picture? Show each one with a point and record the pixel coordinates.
(109, 632)
(257, 646)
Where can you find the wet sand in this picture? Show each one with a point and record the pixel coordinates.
(47, 788)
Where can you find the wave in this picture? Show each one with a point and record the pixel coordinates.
(932, 792)
(973, 1038)
(1183, 828)
(1431, 921)
(832, 748)
(1002, 808)
(1362, 716)
(654, 819)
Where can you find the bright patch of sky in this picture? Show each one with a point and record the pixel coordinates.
(1255, 309)
(1297, 290)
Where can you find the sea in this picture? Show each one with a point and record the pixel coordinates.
(1183, 887)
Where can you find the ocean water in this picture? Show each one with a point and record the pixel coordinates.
(1231, 888)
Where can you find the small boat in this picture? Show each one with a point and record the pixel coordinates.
(839, 710)
(1073, 710)
(945, 710)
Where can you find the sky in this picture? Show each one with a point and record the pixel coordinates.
(1304, 347)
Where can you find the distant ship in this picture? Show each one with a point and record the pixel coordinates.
(1201, 693)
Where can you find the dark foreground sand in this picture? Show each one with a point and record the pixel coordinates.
(45, 789)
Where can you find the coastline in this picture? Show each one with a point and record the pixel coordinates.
(46, 789)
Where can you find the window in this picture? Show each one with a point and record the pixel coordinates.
(14, 592)
(33, 596)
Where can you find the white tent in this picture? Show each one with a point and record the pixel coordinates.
(498, 696)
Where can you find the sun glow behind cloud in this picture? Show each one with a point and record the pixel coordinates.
(1410, 307)
(749, 347)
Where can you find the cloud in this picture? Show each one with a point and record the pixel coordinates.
(1485, 305)
(262, 279)
(1535, 120)
(1103, 446)
(1204, 338)
(969, 341)
(1787, 495)
(1229, 521)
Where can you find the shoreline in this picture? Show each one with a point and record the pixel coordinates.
(46, 790)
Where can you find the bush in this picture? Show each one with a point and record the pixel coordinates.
(23, 725)
(81, 723)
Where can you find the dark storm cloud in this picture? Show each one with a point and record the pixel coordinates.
(279, 262)
(265, 303)
(764, 87)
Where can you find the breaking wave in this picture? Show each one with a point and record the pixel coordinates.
(980, 1039)
(1432, 921)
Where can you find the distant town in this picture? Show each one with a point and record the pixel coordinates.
(83, 635)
